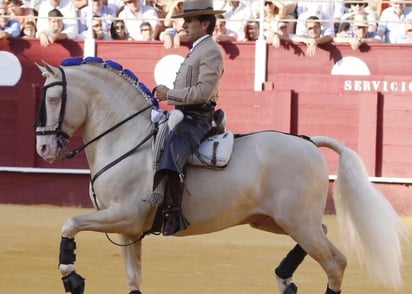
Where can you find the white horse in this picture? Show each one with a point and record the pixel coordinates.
(274, 182)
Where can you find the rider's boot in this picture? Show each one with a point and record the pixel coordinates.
(174, 218)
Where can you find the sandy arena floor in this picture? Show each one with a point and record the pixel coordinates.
(239, 260)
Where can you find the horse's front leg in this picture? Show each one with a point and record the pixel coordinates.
(132, 262)
(110, 220)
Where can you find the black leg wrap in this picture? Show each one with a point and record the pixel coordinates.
(330, 291)
(67, 247)
(73, 283)
(291, 262)
(135, 292)
(291, 289)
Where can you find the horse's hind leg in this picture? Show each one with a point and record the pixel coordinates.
(287, 267)
(319, 247)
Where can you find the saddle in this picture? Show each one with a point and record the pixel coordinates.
(214, 152)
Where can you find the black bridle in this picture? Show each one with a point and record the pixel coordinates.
(62, 138)
(41, 117)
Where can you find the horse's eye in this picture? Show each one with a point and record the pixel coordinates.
(53, 100)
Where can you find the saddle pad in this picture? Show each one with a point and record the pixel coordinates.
(215, 151)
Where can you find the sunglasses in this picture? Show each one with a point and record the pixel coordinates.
(409, 31)
(145, 30)
(283, 27)
(119, 27)
(358, 4)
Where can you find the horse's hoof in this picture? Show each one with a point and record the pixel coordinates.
(73, 283)
(291, 289)
(135, 292)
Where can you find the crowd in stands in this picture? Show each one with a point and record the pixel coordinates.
(311, 22)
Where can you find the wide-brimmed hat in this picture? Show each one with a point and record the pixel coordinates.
(360, 20)
(198, 7)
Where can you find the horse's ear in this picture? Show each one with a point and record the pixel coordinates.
(47, 70)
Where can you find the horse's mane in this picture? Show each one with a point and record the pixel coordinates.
(119, 70)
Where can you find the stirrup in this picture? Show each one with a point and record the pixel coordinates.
(174, 221)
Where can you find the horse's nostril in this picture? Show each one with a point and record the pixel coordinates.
(43, 148)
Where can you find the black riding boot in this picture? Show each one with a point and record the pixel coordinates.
(174, 219)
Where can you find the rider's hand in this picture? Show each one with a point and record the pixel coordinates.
(161, 92)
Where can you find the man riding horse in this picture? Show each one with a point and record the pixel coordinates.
(195, 93)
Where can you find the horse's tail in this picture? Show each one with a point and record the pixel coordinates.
(369, 225)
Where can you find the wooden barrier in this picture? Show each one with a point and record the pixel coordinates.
(320, 95)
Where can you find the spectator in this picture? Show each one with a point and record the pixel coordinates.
(29, 30)
(118, 30)
(115, 5)
(99, 33)
(361, 34)
(55, 31)
(65, 7)
(355, 9)
(283, 34)
(251, 30)
(391, 26)
(326, 11)
(22, 14)
(134, 14)
(273, 12)
(221, 33)
(236, 15)
(174, 33)
(162, 8)
(9, 27)
(408, 31)
(313, 36)
(146, 31)
(104, 12)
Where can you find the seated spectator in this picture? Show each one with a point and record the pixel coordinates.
(408, 31)
(66, 8)
(55, 31)
(29, 30)
(391, 26)
(328, 12)
(251, 30)
(135, 14)
(162, 8)
(118, 30)
(361, 34)
(283, 34)
(355, 9)
(22, 14)
(325, 20)
(313, 36)
(9, 27)
(173, 33)
(221, 33)
(236, 15)
(146, 31)
(98, 31)
(115, 5)
(105, 13)
(273, 12)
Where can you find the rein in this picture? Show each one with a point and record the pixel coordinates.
(62, 138)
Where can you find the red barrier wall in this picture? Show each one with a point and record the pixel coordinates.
(372, 113)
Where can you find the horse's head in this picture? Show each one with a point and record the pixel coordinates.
(91, 93)
(53, 127)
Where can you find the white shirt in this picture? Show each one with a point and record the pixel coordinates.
(392, 25)
(236, 19)
(133, 22)
(67, 8)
